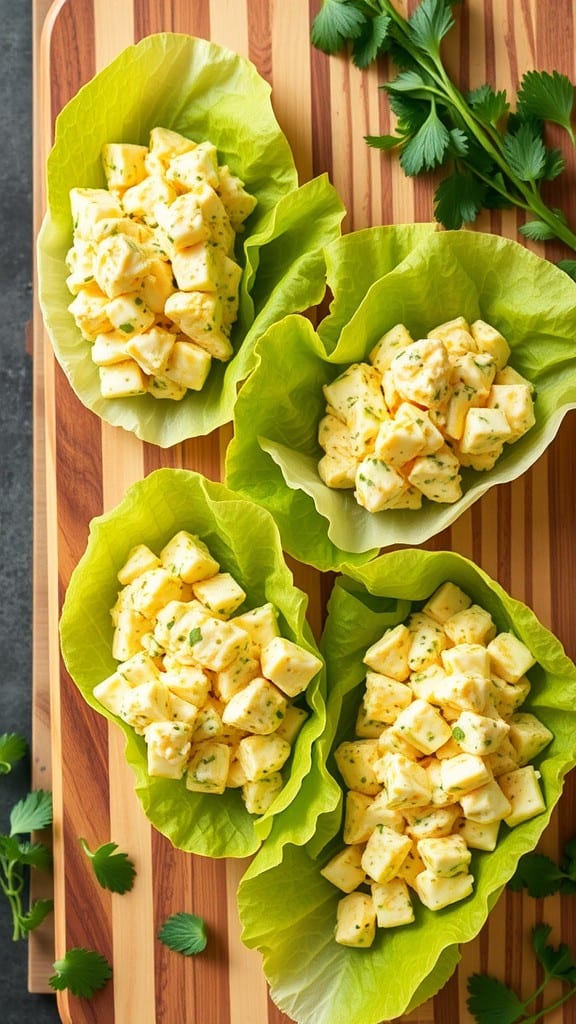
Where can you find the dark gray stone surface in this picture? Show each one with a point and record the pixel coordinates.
(16, 1003)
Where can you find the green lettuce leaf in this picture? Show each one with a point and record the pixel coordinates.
(204, 92)
(437, 276)
(312, 978)
(245, 540)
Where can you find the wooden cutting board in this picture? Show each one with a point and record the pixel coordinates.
(522, 534)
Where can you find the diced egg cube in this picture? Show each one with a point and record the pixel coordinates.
(344, 869)
(208, 766)
(445, 856)
(289, 665)
(509, 657)
(355, 920)
(392, 902)
(258, 708)
(522, 788)
(384, 853)
(437, 893)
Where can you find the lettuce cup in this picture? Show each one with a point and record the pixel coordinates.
(216, 99)
(419, 280)
(314, 978)
(171, 526)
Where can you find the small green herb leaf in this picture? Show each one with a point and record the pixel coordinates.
(458, 199)
(536, 230)
(416, 82)
(428, 147)
(430, 22)
(489, 106)
(540, 876)
(35, 855)
(31, 813)
(184, 933)
(37, 913)
(526, 153)
(549, 97)
(337, 22)
(492, 1002)
(370, 43)
(13, 748)
(82, 971)
(555, 164)
(384, 141)
(114, 871)
(569, 267)
(556, 961)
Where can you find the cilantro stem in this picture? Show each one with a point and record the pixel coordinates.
(542, 1014)
(12, 883)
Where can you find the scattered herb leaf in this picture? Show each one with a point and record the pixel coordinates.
(31, 813)
(13, 748)
(81, 971)
(184, 933)
(541, 876)
(114, 871)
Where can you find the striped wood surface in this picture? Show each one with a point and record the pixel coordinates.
(521, 534)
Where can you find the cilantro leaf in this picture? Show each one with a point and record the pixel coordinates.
(536, 873)
(370, 43)
(526, 153)
(547, 96)
(569, 267)
(427, 148)
(430, 22)
(384, 141)
(537, 231)
(82, 971)
(184, 933)
(488, 105)
(555, 164)
(491, 1002)
(416, 82)
(114, 871)
(410, 113)
(33, 812)
(337, 22)
(540, 876)
(37, 913)
(556, 961)
(459, 144)
(13, 748)
(35, 855)
(9, 848)
(458, 199)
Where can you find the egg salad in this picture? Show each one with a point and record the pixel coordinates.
(442, 756)
(211, 685)
(398, 428)
(152, 267)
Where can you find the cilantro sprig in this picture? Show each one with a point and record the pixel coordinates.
(492, 1002)
(17, 853)
(491, 155)
(114, 871)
